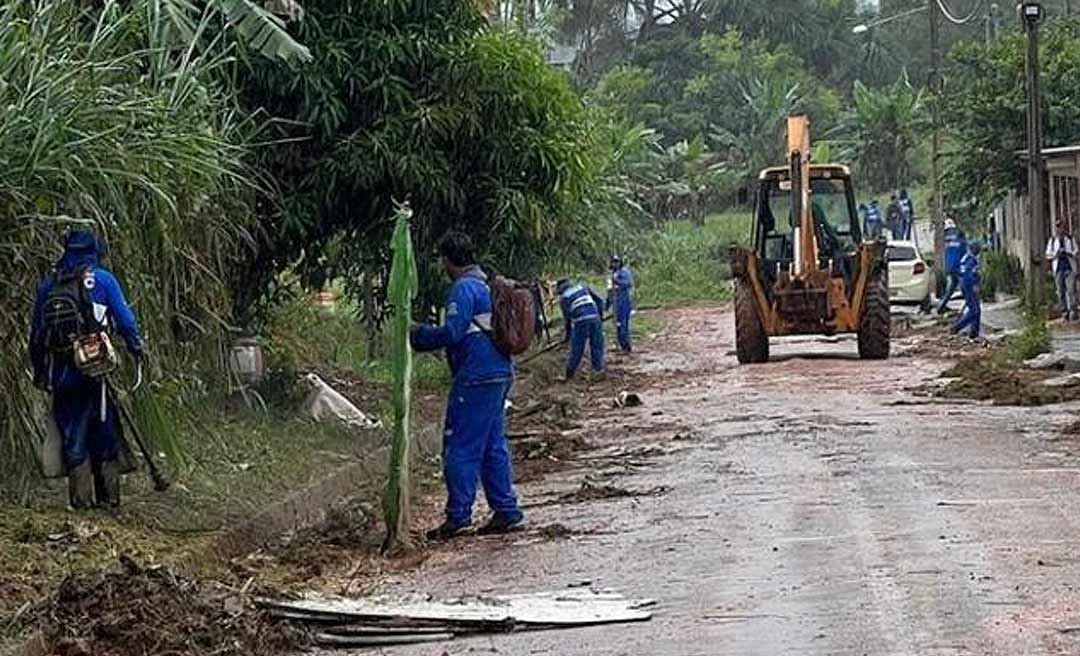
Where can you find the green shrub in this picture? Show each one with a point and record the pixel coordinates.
(1003, 273)
(1033, 339)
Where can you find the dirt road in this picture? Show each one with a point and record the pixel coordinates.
(807, 506)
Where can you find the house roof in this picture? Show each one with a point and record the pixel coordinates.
(1057, 151)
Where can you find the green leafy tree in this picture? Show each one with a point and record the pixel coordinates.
(880, 131)
(417, 100)
(984, 109)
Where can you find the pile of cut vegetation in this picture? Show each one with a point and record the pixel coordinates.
(130, 610)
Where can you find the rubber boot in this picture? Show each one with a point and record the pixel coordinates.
(107, 484)
(81, 486)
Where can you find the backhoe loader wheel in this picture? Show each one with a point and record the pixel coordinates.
(875, 324)
(751, 342)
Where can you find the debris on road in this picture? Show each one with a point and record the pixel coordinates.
(1068, 380)
(324, 403)
(1006, 383)
(1056, 361)
(628, 400)
(590, 492)
(382, 621)
(134, 610)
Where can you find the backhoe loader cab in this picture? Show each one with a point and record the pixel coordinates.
(809, 271)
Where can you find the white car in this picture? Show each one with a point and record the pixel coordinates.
(909, 277)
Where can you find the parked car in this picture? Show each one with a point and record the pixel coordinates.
(909, 277)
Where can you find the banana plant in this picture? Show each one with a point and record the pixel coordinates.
(401, 292)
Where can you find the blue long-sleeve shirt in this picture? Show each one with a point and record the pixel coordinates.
(470, 349)
(109, 304)
(622, 289)
(969, 269)
(956, 247)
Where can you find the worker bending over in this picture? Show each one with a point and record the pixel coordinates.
(581, 310)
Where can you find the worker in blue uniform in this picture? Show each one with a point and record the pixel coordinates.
(956, 247)
(583, 318)
(84, 413)
(475, 448)
(971, 317)
(621, 300)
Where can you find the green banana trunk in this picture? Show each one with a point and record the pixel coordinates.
(401, 291)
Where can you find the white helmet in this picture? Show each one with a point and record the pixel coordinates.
(949, 224)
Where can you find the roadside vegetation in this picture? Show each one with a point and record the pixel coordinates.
(238, 161)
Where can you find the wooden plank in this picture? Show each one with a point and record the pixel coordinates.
(334, 640)
(551, 609)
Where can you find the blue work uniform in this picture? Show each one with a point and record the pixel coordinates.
(581, 313)
(971, 317)
(956, 247)
(873, 221)
(474, 438)
(621, 298)
(907, 215)
(84, 414)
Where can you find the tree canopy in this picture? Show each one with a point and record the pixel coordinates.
(415, 100)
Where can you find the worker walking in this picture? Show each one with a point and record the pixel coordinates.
(971, 317)
(581, 310)
(1061, 253)
(70, 351)
(955, 249)
(475, 448)
(621, 300)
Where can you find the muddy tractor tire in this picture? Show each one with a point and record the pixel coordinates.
(876, 322)
(751, 341)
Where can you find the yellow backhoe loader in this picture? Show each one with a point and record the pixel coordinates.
(809, 271)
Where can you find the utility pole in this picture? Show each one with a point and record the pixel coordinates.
(936, 204)
(991, 24)
(1031, 15)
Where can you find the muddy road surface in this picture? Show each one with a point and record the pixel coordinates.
(812, 505)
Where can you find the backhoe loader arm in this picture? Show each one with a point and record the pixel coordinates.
(806, 259)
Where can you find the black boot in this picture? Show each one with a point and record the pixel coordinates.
(500, 524)
(107, 484)
(81, 487)
(446, 531)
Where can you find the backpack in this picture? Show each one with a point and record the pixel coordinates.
(68, 312)
(513, 316)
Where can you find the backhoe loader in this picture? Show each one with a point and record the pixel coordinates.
(809, 271)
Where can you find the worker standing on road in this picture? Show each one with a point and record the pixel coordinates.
(874, 218)
(894, 218)
(955, 249)
(621, 300)
(474, 438)
(971, 317)
(1061, 253)
(581, 310)
(907, 213)
(75, 305)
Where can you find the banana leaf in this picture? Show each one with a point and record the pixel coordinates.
(402, 289)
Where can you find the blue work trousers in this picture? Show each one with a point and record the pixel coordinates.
(622, 325)
(971, 317)
(475, 449)
(952, 281)
(591, 331)
(77, 408)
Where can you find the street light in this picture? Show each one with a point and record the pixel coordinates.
(863, 28)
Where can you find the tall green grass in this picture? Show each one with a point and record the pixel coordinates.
(100, 130)
(685, 263)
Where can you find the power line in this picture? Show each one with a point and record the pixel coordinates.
(951, 17)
